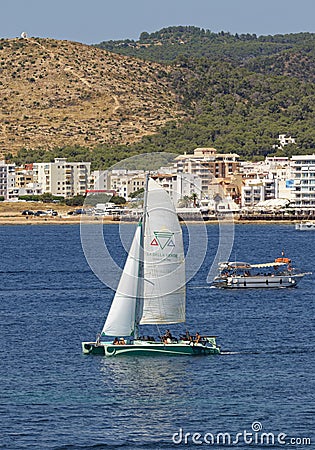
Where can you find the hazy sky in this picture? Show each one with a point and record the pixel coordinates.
(93, 21)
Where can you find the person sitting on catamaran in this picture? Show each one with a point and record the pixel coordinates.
(167, 338)
(186, 337)
(197, 338)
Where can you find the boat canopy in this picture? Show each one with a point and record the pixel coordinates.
(244, 265)
(272, 264)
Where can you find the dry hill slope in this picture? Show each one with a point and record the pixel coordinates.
(58, 93)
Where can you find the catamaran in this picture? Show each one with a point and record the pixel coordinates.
(152, 288)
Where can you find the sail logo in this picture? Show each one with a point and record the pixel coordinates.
(163, 239)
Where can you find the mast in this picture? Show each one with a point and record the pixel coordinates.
(139, 299)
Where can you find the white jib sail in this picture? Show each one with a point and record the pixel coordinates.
(121, 317)
(164, 296)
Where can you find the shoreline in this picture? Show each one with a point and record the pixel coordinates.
(59, 220)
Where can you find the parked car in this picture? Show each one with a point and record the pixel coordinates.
(40, 213)
(51, 212)
(28, 212)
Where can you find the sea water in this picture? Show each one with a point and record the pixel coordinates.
(54, 397)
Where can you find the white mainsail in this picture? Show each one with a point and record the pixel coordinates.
(121, 317)
(152, 286)
(164, 295)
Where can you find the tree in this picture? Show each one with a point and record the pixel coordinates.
(77, 200)
(184, 202)
(118, 200)
(144, 36)
(137, 193)
(194, 199)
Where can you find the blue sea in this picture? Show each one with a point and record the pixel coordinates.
(54, 397)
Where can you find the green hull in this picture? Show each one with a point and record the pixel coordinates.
(150, 349)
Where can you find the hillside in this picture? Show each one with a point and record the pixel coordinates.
(60, 93)
(289, 54)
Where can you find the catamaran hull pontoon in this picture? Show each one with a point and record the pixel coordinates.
(258, 282)
(144, 348)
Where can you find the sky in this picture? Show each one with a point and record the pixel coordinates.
(93, 21)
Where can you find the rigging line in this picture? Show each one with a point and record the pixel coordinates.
(158, 329)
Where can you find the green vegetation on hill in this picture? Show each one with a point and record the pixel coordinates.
(241, 91)
(263, 53)
(234, 109)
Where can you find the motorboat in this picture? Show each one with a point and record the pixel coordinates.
(276, 274)
(305, 226)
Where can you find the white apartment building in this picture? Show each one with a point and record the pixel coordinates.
(7, 180)
(62, 178)
(125, 182)
(303, 176)
(258, 190)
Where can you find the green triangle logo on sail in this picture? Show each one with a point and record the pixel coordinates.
(164, 239)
